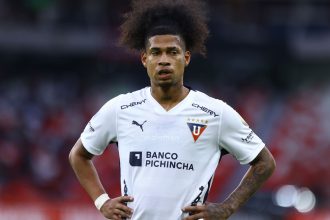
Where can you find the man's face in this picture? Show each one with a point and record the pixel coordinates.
(165, 59)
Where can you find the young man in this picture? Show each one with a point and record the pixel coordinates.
(170, 137)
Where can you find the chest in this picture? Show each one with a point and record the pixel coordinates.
(188, 130)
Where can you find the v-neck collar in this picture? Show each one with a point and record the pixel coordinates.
(160, 109)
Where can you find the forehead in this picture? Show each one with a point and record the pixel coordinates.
(164, 41)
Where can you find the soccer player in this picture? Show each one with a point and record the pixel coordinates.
(170, 137)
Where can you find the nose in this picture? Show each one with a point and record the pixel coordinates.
(163, 60)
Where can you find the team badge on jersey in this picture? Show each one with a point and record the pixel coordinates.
(196, 127)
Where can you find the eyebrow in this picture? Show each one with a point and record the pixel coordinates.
(167, 48)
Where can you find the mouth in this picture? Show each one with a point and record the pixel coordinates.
(164, 71)
(164, 74)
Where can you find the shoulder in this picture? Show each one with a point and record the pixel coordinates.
(136, 94)
(131, 99)
(202, 96)
(127, 100)
(202, 100)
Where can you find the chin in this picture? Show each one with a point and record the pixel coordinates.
(165, 84)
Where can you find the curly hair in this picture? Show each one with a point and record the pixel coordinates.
(187, 18)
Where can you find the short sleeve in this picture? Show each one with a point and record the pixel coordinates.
(237, 137)
(101, 129)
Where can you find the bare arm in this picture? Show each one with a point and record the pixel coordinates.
(81, 162)
(260, 170)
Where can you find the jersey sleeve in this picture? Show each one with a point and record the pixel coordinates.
(101, 129)
(237, 138)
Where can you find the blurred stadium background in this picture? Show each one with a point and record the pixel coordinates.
(59, 63)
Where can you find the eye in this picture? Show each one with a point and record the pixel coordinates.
(174, 52)
(154, 52)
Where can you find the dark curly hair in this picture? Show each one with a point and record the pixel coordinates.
(187, 18)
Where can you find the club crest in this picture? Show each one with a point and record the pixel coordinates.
(196, 127)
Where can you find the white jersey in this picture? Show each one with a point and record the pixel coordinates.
(168, 158)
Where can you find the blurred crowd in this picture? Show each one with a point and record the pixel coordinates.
(39, 120)
(59, 13)
(268, 59)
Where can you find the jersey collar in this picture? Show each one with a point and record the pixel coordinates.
(177, 108)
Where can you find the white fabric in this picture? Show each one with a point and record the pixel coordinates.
(168, 158)
(99, 202)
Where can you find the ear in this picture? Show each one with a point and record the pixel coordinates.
(187, 56)
(144, 58)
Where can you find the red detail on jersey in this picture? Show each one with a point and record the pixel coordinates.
(196, 130)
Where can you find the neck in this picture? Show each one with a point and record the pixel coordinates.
(168, 97)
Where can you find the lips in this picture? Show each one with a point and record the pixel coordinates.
(164, 71)
(164, 74)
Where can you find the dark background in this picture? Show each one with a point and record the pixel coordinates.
(60, 62)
